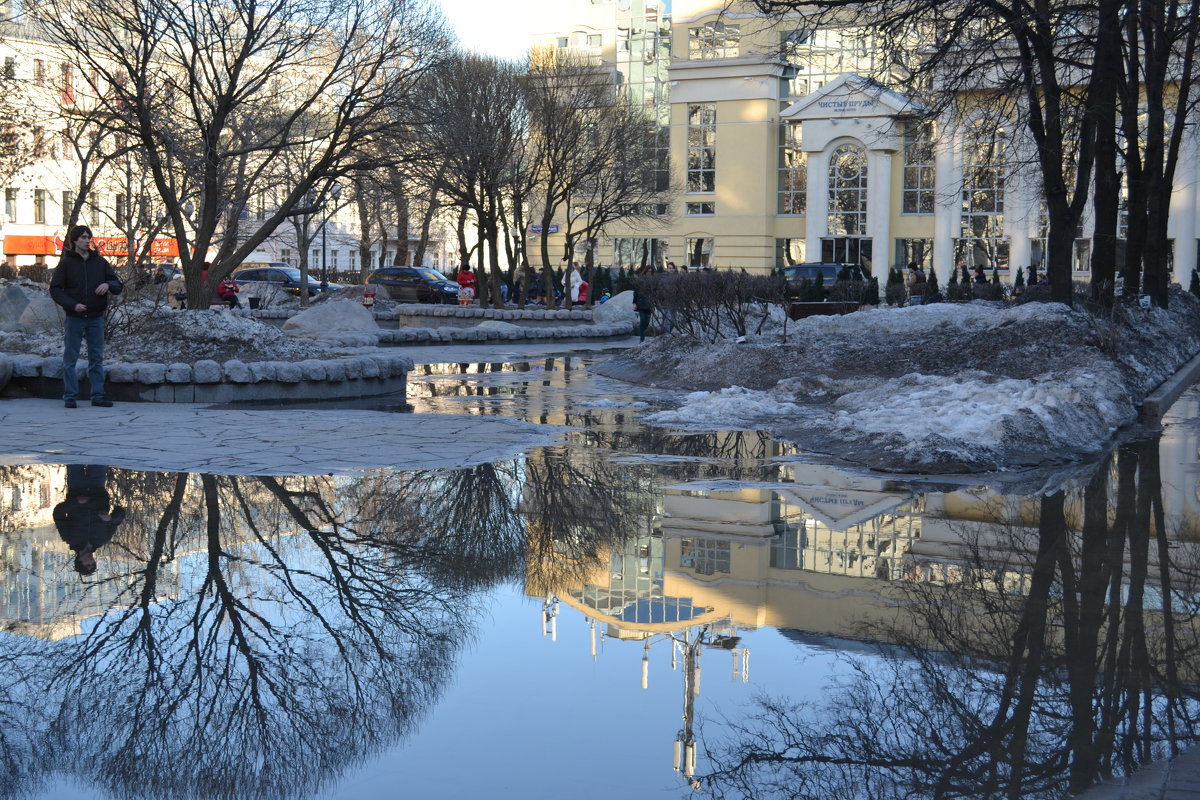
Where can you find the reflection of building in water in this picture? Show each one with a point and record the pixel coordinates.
(1179, 459)
(40, 593)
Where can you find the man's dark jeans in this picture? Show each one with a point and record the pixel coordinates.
(75, 330)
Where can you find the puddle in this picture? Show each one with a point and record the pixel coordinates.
(620, 614)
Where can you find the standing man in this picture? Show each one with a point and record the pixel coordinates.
(81, 284)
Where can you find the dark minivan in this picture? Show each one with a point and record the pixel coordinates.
(415, 285)
(282, 276)
(797, 274)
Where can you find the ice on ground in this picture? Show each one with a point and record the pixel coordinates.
(732, 407)
(607, 402)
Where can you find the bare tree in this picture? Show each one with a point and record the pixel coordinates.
(216, 95)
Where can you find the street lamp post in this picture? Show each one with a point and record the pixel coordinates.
(335, 190)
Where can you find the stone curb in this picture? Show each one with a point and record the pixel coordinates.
(210, 382)
(466, 312)
(1158, 401)
(453, 335)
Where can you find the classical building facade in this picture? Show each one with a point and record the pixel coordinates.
(783, 150)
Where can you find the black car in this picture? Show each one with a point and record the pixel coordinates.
(286, 278)
(415, 285)
(797, 275)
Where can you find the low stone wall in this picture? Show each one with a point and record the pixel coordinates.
(439, 316)
(213, 382)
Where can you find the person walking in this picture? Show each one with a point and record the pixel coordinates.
(82, 283)
(642, 303)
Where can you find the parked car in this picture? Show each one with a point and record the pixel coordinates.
(797, 275)
(415, 285)
(282, 275)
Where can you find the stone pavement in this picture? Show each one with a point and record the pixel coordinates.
(1174, 779)
(235, 441)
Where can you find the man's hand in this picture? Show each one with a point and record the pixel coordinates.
(80, 308)
(102, 289)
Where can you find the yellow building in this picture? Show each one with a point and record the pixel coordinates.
(782, 151)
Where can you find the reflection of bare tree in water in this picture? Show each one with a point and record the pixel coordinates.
(1028, 674)
(294, 642)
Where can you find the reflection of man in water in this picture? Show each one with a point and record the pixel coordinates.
(85, 520)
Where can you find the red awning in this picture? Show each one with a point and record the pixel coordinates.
(22, 245)
(118, 246)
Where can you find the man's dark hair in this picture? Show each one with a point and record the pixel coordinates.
(75, 233)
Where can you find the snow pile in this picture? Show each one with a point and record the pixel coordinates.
(939, 388)
(164, 335)
(734, 405)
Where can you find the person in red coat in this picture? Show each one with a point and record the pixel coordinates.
(466, 285)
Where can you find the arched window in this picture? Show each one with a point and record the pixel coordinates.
(848, 191)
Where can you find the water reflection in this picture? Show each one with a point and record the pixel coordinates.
(268, 636)
(257, 636)
(1045, 643)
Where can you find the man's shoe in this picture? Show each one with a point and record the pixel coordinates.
(70, 404)
(102, 403)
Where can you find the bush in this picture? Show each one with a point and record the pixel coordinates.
(710, 305)
(932, 293)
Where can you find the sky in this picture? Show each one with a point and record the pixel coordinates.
(498, 27)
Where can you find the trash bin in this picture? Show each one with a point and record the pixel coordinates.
(253, 302)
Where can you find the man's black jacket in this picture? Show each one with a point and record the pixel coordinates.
(75, 280)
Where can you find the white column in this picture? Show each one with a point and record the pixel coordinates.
(1181, 226)
(817, 212)
(947, 202)
(879, 211)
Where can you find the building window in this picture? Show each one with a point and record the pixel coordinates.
(982, 240)
(285, 255)
(701, 209)
(793, 171)
(699, 252)
(119, 211)
(39, 206)
(790, 251)
(564, 41)
(915, 250)
(823, 54)
(10, 67)
(352, 260)
(316, 256)
(333, 259)
(39, 142)
(595, 40)
(848, 191)
(10, 205)
(714, 40)
(94, 212)
(918, 168)
(68, 85)
(67, 146)
(702, 147)
(704, 556)
(67, 202)
(39, 72)
(638, 252)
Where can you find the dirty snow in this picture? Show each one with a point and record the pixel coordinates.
(140, 332)
(939, 388)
